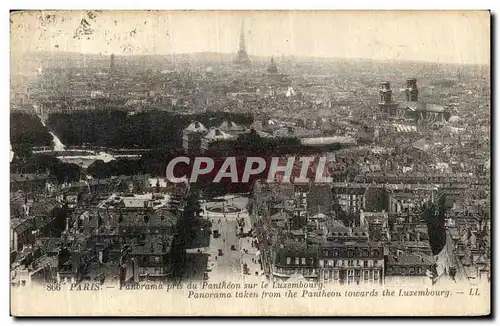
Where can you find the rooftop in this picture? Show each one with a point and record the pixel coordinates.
(195, 127)
(407, 258)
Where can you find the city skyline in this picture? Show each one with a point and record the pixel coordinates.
(284, 163)
(347, 35)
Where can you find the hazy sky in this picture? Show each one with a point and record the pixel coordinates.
(458, 37)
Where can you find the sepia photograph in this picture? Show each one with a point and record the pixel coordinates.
(250, 163)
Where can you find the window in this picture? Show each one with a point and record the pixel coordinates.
(335, 253)
(330, 263)
(350, 276)
(350, 253)
(365, 263)
(376, 275)
(350, 263)
(303, 261)
(297, 261)
(325, 253)
(366, 276)
(325, 275)
(336, 275)
(288, 260)
(411, 271)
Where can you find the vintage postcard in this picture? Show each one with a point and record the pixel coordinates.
(250, 163)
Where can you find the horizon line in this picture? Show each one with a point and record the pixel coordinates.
(251, 55)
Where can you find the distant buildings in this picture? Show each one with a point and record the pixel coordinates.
(377, 248)
(405, 268)
(296, 258)
(468, 224)
(411, 110)
(126, 238)
(366, 227)
(352, 263)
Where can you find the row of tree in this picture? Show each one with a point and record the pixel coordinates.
(27, 131)
(119, 129)
(46, 164)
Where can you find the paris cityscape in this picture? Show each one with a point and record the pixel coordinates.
(406, 144)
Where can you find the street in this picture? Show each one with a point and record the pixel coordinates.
(203, 255)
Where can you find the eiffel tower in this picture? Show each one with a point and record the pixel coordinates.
(242, 58)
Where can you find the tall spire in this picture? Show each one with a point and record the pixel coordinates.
(242, 37)
(242, 57)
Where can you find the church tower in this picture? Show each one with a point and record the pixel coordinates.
(386, 103)
(385, 93)
(411, 90)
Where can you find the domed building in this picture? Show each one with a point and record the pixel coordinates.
(192, 137)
